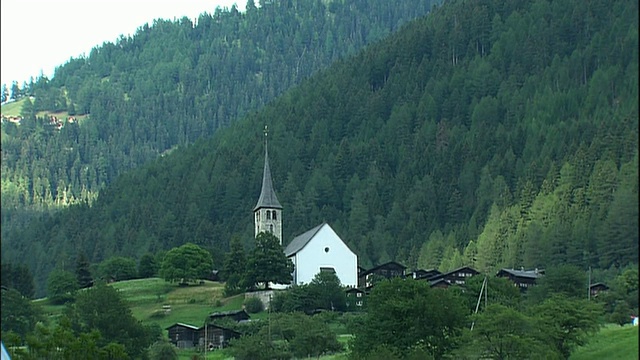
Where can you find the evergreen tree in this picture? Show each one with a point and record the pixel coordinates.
(235, 267)
(147, 267)
(83, 274)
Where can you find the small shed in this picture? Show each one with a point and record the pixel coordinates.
(215, 337)
(597, 288)
(183, 336)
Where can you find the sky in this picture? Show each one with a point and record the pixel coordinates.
(36, 36)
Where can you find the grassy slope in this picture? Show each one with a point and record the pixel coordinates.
(14, 108)
(612, 342)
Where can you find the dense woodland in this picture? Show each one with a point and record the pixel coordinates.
(169, 84)
(488, 133)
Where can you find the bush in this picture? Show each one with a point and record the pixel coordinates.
(158, 314)
(253, 305)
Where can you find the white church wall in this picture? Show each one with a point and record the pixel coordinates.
(326, 249)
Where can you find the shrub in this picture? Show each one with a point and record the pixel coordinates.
(253, 305)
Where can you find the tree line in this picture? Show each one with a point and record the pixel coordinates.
(401, 318)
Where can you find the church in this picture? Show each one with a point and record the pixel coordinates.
(318, 249)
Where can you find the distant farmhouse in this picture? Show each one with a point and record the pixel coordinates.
(389, 270)
(522, 278)
(316, 250)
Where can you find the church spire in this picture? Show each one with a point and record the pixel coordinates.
(268, 211)
(268, 197)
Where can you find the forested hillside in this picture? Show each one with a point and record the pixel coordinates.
(170, 83)
(489, 133)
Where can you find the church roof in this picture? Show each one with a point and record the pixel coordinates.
(268, 197)
(301, 240)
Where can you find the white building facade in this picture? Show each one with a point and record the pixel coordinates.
(321, 249)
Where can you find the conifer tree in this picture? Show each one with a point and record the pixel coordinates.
(82, 271)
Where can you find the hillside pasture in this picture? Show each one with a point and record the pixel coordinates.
(612, 342)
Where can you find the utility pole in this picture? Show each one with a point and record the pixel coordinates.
(589, 287)
(269, 313)
(206, 339)
(484, 284)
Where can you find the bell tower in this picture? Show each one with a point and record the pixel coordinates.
(267, 213)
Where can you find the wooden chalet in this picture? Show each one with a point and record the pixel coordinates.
(458, 276)
(597, 288)
(387, 270)
(184, 336)
(439, 283)
(355, 297)
(422, 274)
(523, 279)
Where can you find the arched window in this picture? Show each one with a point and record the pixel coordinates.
(268, 215)
(275, 217)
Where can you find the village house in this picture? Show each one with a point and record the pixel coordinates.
(387, 270)
(458, 276)
(439, 283)
(423, 274)
(355, 297)
(523, 279)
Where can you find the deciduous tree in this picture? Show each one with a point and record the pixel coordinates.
(399, 307)
(268, 263)
(186, 263)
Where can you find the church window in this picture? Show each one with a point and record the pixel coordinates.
(271, 228)
(268, 215)
(274, 216)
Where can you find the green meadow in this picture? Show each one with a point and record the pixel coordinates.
(613, 342)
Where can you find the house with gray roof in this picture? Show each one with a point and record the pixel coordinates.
(523, 279)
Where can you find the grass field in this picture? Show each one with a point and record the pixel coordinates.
(14, 108)
(188, 304)
(612, 343)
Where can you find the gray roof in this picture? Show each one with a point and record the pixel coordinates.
(268, 197)
(184, 325)
(532, 274)
(301, 240)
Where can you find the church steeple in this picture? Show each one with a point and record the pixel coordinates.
(268, 211)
